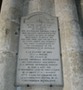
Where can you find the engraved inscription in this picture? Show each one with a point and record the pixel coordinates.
(39, 54)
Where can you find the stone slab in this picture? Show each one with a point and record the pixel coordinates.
(39, 61)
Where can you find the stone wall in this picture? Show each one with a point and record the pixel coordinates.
(70, 35)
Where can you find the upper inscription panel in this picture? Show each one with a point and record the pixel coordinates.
(39, 61)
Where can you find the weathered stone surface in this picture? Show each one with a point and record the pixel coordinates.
(71, 44)
(9, 28)
(70, 33)
(30, 6)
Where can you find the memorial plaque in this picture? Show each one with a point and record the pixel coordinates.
(39, 61)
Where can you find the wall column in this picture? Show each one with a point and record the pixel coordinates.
(71, 44)
(9, 28)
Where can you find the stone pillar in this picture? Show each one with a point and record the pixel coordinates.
(71, 44)
(9, 28)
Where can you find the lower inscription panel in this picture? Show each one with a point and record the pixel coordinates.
(39, 61)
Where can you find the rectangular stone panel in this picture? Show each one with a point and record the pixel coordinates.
(39, 61)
